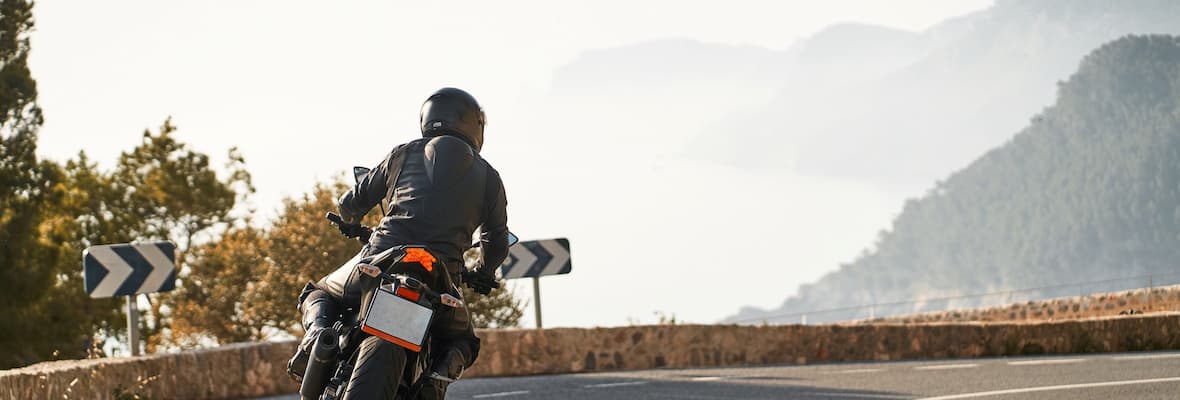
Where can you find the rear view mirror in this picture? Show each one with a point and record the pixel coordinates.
(512, 240)
(359, 173)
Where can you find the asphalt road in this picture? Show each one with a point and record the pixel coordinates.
(1154, 375)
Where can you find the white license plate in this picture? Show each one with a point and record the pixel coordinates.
(397, 320)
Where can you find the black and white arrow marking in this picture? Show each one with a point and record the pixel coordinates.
(127, 269)
(536, 258)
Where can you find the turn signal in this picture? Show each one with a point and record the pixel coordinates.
(451, 301)
(369, 270)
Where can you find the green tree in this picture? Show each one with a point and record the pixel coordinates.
(41, 222)
(19, 113)
(159, 190)
(77, 324)
(50, 212)
(25, 276)
(304, 247)
(245, 285)
(217, 299)
(163, 190)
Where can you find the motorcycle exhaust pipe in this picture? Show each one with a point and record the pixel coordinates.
(319, 365)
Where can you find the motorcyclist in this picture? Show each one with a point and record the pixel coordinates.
(439, 191)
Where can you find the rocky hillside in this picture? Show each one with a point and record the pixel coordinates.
(1089, 190)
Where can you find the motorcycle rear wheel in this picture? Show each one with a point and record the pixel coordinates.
(377, 372)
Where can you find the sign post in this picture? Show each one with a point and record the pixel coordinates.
(129, 270)
(534, 259)
(537, 299)
(133, 325)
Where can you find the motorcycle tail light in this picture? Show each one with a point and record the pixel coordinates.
(407, 294)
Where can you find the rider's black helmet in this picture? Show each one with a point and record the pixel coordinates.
(451, 111)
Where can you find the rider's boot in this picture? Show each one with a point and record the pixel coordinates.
(447, 369)
(319, 314)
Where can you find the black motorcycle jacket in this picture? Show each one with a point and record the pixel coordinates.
(439, 191)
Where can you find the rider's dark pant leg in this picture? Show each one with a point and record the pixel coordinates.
(319, 308)
(321, 305)
(320, 312)
(454, 331)
(346, 284)
(456, 348)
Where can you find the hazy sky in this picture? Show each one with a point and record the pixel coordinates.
(308, 89)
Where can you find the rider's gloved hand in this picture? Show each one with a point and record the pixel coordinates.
(480, 280)
(353, 230)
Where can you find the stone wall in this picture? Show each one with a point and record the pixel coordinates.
(226, 372)
(248, 370)
(1096, 305)
(528, 352)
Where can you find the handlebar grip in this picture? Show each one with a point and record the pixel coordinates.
(335, 218)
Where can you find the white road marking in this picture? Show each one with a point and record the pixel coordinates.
(501, 394)
(1146, 357)
(947, 366)
(1050, 388)
(856, 371)
(1047, 362)
(718, 378)
(616, 384)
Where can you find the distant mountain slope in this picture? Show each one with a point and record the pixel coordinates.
(657, 64)
(667, 91)
(852, 101)
(1089, 190)
(975, 82)
(840, 52)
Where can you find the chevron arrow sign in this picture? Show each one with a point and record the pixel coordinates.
(535, 258)
(128, 269)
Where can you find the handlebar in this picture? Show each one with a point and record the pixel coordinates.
(352, 231)
(334, 218)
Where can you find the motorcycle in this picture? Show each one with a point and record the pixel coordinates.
(403, 294)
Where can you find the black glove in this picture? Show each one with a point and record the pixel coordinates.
(481, 282)
(350, 230)
(355, 231)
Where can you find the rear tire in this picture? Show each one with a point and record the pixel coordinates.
(377, 372)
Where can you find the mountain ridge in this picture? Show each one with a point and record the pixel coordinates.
(1091, 188)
